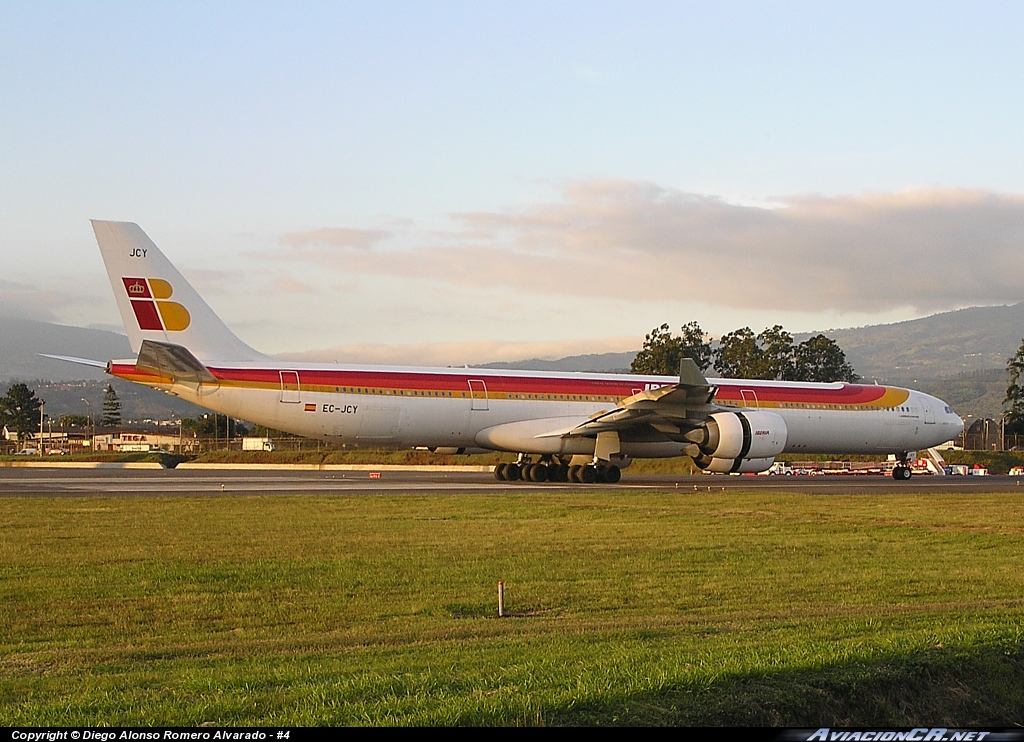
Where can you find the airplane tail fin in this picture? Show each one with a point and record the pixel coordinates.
(157, 303)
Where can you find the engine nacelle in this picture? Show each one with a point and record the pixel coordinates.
(450, 450)
(745, 441)
(538, 435)
(735, 466)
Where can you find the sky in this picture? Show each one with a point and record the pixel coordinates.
(460, 182)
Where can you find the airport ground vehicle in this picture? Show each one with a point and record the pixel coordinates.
(257, 444)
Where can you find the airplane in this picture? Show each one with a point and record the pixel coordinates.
(579, 427)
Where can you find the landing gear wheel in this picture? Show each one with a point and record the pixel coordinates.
(902, 473)
(589, 474)
(539, 473)
(612, 474)
(558, 473)
(499, 472)
(512, 473)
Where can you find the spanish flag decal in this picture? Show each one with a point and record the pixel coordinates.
(152, 310)
(310, 408)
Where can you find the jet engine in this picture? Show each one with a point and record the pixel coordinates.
(739, 442)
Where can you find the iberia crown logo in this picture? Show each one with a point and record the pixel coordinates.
(152, 310)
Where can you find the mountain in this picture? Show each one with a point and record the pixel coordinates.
(612, 363)
(973, 394)
(959, 356)
(68, 385)
(139, 404)
(22, 340)
(940, 346)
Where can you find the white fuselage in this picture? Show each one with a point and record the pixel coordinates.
(454, 408)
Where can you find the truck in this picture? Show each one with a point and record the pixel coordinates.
(257, 444)
(779, 468)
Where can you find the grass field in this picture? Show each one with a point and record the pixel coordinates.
(756, 608)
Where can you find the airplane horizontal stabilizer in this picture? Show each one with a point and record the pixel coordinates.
(79, 361)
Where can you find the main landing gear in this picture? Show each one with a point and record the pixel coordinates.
(551, 470)
(901, 472)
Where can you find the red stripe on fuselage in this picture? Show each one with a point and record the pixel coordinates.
(850, 394)
(328, 380)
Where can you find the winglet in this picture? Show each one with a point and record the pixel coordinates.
(689, 374)
(693, 390)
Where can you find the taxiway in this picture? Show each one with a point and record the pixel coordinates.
(56, 482)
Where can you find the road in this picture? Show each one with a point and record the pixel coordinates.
(134, 483)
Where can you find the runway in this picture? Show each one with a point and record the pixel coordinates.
(57, 482)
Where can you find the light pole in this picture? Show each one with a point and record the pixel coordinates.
(88, 408)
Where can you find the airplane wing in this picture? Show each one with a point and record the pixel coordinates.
(671, 410)
(667, 413)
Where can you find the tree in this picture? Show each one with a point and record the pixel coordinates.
(737, 355)
(695, 346)
(1013, 417)
(259, 431)
(73, 421)
(772, 355)
(662, 351)
(777, 353)
(204, 427)
(821, 359)
(19, 410)
(111, 409)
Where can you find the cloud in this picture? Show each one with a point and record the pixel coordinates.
(335, 237)
(928, 249)
(29, 302)
(211, 282)
(288, 285)
(457, 354)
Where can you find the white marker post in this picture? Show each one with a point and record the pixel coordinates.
(501, 600)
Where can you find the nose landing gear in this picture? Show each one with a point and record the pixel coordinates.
(902, 472)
